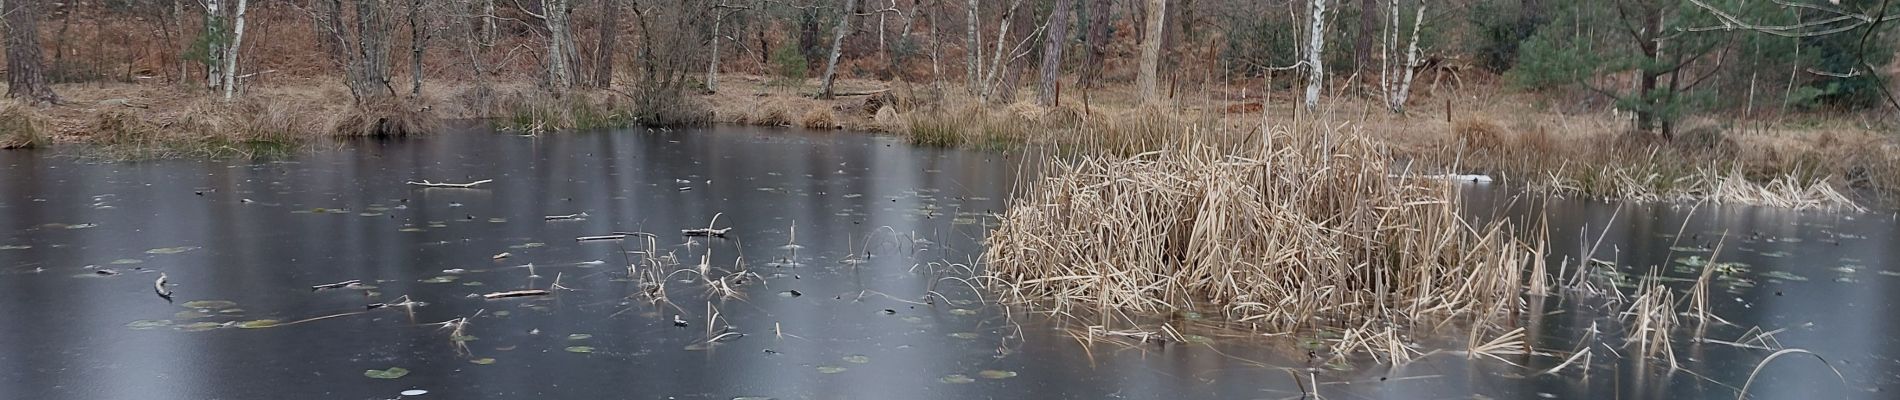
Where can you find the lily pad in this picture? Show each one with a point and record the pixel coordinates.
(442, 279)
(857, 359)
(190, 314)
(580, 349)
(482, 361)
(170, 250)
(126, 261)
(391, 373)
(579, 336)
(148, 324)
(259, 324)
(962, 311)
(414, 392)
(956, 378)
(828, 369)
(210, 304)
(996, 374)
(963, 335)
(15, 247)
(462, 338)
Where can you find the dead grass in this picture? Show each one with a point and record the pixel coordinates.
(21, 126)
(819, 118)
(1301, 226)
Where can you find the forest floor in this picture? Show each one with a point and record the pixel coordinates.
(1481, 130)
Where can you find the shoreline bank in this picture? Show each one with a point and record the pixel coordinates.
(1803, 163)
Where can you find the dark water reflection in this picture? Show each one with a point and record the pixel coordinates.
(259, 234)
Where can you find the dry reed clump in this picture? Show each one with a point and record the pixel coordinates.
(388, 118)
(1479, 134)
(819, 118)
(1308, 227)
(21, 126)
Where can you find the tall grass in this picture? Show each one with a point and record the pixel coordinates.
(1295, 226)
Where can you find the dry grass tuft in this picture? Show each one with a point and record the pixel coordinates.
(1308, 226)
(1479, 134)
(21, 127)
(819, 118)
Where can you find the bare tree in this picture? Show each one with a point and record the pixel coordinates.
(555, 14)
(1147, 83)
(26, 74)
(362, 52)
(1362, 43)
(214, 35)
(1052, 45)
(1100, 13)
(418, 41)
(1315, 48)
(609, 43)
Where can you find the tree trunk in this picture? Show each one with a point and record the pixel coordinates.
(1052, 45)
(1396, 96)
(369, 66)
(214, 32)
(1100, 17)
(488, 22)
(712, 66)
(1315, 49)
(1362, 45)
(26, 76)
(231, 52)
(560, 43)
(837, 46)
(418, 40)
(610, 39)
(1146, 82)
(973, 47)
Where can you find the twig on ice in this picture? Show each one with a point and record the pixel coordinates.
(427, 183)
(516, 293)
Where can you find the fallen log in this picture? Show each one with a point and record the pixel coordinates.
(601, 237)
(516, 293)
(565, 217)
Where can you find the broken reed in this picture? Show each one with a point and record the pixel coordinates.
(1299, 227)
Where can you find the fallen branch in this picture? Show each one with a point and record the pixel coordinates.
(159, 287)
(328, 286)
(580, 215)
(601, 237)
(516, 293)
(427, 183)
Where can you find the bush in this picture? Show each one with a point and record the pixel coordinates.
(20, 127)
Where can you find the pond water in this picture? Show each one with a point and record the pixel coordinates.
(844, 263)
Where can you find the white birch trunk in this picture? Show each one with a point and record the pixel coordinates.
(1147, 83)
(231, 52)
(837, 46)
(214, 22)
(1396, 98)
(1315, 46)
(712, 68)
(972, 47)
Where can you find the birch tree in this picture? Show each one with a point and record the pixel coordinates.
(1052, 45)
(212, 36)
(1146, 82)
(973, 46)
(837, 46)
(1396, 80)
(231, 51)
(1315, 49)
(26, 70)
